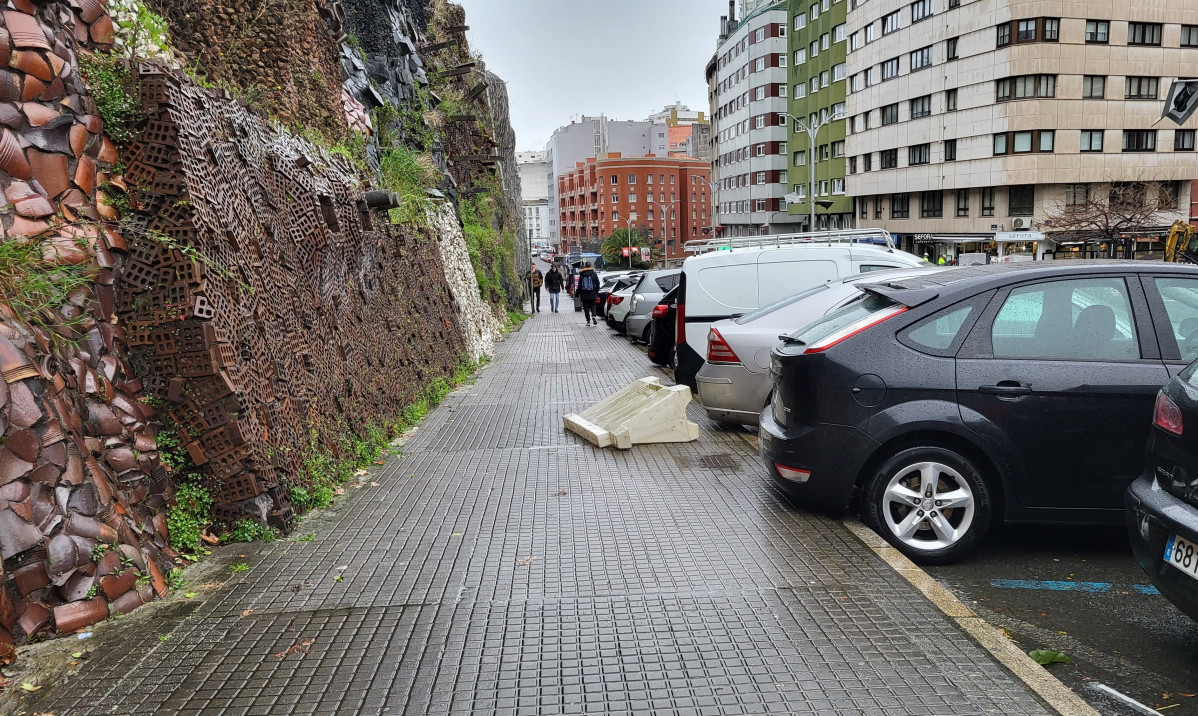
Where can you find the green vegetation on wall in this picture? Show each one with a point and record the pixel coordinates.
(492, 247)
(111, 85)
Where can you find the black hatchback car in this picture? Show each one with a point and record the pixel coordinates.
(1162, 505)
(1022, 392)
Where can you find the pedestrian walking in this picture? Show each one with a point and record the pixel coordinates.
(588, 291)
(535, 280)
(553, 284)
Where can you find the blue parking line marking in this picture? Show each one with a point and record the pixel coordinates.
(1051, 585)
(1145, 589)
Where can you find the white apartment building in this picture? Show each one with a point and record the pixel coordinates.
(534, 195)
(750, 162)
(972, 119)
(582, 140)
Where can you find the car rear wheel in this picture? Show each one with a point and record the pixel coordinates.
(646, 336)
(931, 503)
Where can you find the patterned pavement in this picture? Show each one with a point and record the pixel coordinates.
(503, 566)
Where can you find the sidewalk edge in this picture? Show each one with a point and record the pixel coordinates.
(1058, 696)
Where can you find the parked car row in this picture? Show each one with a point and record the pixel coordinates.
(938, 403)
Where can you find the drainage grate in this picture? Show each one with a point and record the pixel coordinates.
(718, 461)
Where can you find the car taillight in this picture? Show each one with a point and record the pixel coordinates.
(718, 350)
(615, 300)
(1167, 415)
(680, 324)
(853, 329)
(660, 311)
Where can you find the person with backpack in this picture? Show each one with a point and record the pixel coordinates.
(588, 291)
(535, 280)
(553, 284)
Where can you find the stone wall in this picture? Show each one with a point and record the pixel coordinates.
(82, 490)
(297, 313)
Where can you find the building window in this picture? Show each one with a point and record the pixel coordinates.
(759, 64)
(921, 58)
(837, 149)
(814, 85)
(1094, 87)
(838, 33)
(921, 10)
(1003, 37)
(864, 204)
(1098, 31)
(759, 36)
(839, 72)
(1024, 142)
(867, 161)
(900, 206)
(855, 42)
(921, 107)
(825, 78)
(838, 186)
(1170, 194)
(890, 69)
(1025, 30)
(1076, 194)
(1091, 140)
(852, 165)
(889, 158)
(760, 204)
(800, 21)
(800, 90)
(931, 205)
(950, 100)
(890, 23)
(919, 154)
(951, 48)
(800, 159)
(825, 41)
(889, 114)
(1021, 199)
(988, 201)
(871, 33)
(950, 150)
(823, 187)
(1143, 33)
(878, 207)
(1141, 87)
(962, 202)
(1025, 87)
(813, 13)
(1189, 35)
(800, 56)
(1183, 140)
(781, 90)
(953, 3)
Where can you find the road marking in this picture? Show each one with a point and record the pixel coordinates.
(1054, 585)
(1058, 696)
(1124, 699)
(1051, 585)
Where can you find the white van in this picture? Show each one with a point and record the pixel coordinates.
(727, 278)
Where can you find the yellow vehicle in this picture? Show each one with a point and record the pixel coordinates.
(1181, 244)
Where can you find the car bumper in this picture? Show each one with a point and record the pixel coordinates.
(732, 393)
(832, 454)
(637, 323)
(1152, 516)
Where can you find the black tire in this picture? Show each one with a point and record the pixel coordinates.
(645, 334)
(933, 534)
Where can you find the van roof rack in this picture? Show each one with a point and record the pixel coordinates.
(847, 236)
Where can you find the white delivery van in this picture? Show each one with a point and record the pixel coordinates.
(726, 278)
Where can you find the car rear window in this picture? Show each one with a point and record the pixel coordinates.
(665, 283)
(855, 310)
(776, 305)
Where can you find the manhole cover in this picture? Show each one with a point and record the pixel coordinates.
(718, 461)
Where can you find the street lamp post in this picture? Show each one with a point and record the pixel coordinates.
(665, 223)
(628, 236)
(812, 130)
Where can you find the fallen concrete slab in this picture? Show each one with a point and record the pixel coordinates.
(644, 412)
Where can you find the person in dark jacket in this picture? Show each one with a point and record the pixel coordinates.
(588, 291)
(553, 284)
(535, 280)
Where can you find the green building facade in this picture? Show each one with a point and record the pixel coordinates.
(818, 46)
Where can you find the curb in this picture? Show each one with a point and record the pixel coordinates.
(1061, 698)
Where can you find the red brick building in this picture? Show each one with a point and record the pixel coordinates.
(670, 198)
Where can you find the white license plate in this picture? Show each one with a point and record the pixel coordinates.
(1183, 555)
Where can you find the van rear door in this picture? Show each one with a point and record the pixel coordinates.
(786, 271)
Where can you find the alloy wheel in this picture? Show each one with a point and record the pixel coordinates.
(928, 505)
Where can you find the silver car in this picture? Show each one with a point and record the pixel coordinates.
(653, 285)
(735, 382)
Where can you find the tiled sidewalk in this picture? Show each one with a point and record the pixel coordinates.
(505, 566)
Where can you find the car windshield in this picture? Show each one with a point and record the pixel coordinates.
(860, 307)
(776, 305)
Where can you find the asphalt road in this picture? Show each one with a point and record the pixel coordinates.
(1078, 590)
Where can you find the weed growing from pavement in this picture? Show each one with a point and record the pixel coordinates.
(239, 567)
(248, 531)
(188, 517)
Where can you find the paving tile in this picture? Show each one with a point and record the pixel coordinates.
(669, 579)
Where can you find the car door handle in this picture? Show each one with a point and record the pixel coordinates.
(1006, 389)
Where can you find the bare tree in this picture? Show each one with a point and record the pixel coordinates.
(1107, 212)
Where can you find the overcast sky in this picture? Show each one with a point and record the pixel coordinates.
(566, 58)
